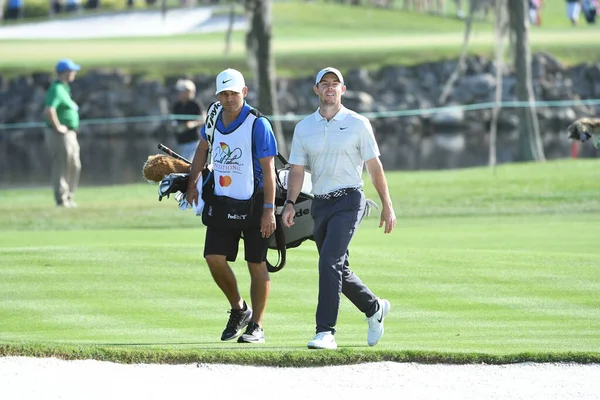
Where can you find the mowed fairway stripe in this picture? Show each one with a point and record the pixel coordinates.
(456, 284)
(128, 50)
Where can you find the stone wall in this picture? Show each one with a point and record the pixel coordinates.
(115, 152)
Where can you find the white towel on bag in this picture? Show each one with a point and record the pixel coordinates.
(200, 206)
(184, 204)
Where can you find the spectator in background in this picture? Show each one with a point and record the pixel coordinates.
(186, 130)
(535, 12)
(573, 11)
(590, 10)
(62, 121)
(55, 7)
(14, 9)
(459, 9)
(92, 4)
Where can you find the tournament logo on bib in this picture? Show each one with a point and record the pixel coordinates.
(225, 155)
(225, 180)
(227, 162)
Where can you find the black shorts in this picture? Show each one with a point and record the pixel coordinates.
(226, 242)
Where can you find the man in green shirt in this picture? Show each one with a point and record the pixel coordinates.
(62, 121)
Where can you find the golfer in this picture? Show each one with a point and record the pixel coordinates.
(335, 143)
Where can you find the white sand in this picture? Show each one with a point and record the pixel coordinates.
(127, 24)
(32, 378)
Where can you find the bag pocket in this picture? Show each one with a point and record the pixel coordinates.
(227, 213)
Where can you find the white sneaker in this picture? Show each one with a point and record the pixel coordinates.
(376, 322)
(323, 340)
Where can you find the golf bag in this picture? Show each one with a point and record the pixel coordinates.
(286, 238)
(283, 238)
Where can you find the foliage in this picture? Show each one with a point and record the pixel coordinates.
(385, 37)
(38, 10)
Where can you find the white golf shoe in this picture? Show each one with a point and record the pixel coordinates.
(376, 322)
(323, 341)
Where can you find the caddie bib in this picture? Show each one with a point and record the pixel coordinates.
(233, 165)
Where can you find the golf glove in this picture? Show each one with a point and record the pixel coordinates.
(172, 184)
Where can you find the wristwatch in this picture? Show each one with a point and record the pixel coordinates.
(288, 201)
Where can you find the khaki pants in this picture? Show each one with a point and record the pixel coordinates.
(66, 164)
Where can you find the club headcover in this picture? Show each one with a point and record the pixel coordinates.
(579, 131)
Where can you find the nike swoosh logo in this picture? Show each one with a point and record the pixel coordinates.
(226, 81)
(341, 129)
(381, 318)
(266, 149)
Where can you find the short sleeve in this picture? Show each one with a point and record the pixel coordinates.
(265, 144)
(298, 155)
(195, 108)
(53, 96)
(368, 145)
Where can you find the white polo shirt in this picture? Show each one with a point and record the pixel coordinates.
(335, 151)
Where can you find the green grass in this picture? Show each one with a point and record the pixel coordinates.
(483, 267)
(306, 37)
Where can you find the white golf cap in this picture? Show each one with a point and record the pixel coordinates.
(327, 70)
(230, 79)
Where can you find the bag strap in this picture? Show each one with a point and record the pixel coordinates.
(281, 247)
(279, 233)
(209, 127)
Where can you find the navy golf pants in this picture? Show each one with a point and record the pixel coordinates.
(336, 220)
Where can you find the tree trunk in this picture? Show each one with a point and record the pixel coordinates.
(163, 10)
(229, 31)
(460, 66)
(530, 143)
(500, 33)
(262, 63)
(2, 5)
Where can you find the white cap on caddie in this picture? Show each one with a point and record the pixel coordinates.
(230, 79)
(327, 70)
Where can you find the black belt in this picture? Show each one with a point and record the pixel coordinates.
(336, 193)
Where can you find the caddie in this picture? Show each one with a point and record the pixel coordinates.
(242, 147)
